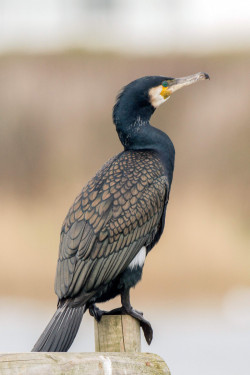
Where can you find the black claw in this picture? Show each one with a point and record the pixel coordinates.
(96, 312)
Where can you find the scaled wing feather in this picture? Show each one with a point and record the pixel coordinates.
(117, 213)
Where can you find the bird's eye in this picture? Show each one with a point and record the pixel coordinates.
(165, 83)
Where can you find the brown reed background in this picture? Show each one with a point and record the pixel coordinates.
(56, 131)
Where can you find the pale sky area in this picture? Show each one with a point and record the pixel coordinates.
(142, 26)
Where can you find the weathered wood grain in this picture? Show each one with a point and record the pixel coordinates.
(82, 364)
(117, 333)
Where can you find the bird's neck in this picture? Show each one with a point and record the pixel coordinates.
(138, 134)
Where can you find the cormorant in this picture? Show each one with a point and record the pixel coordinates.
(117, 218)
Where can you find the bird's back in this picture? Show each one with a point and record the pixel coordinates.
(117, 212)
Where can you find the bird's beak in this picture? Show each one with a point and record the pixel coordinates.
(178, 83)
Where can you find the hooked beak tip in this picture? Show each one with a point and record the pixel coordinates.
(178, 83)
(205, 75)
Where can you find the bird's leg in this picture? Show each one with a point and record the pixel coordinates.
(128, 309)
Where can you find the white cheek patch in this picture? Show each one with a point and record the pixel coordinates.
(156, 99)
(139, 259)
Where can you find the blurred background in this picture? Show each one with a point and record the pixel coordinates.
(62, 63)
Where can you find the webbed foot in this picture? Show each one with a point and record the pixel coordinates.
(126, 309)
(146, 326)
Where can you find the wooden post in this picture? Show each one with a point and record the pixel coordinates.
(117, 333)
(82, 364)
(113, 334)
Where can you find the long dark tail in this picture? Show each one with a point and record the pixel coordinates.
(61, 330)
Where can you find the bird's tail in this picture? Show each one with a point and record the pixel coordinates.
(61, 330)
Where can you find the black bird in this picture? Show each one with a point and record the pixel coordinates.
(117, 218)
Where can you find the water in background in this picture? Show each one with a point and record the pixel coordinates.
(197, 340)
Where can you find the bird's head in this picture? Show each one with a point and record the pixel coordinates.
(161, 93)
(137, 102)
(142, 96)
